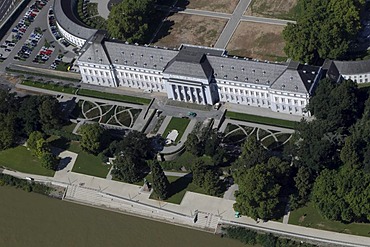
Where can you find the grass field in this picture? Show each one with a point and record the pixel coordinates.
(261, 120)
(309, 217)
(258, 40)
(50, 86)
(281, 9)
(189, 29)
(86, 163)
(178, 124)
(114, 97)
(225, 6)
(22, 160)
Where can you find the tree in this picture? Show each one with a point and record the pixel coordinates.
(193, 145)
(130, 20)
(50, 114)
(206, 178)
(211, 184)
(49, 161)
(128, 169)
(324, 29)
(33, 138)
(91, 137)
(252, 153)
(343, 195)
(303, 183)
(7, 131)
(261, 188)
(159, 181)
(198, 170)
(29, 114)
(135, 144)
(42, 147)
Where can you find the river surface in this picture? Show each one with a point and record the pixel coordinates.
(29, 219)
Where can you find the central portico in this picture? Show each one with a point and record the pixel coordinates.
(189, 77)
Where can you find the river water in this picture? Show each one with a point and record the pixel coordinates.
(29, 219)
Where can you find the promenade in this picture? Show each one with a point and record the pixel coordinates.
(210, 211)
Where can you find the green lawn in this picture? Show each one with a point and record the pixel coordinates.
(309, 217)
(50, 86)
(86, 163)
(261, 120)
(178, 124)
(114, 97)
(21, 159)
(178, 188)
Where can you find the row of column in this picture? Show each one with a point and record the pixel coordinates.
(187, 94)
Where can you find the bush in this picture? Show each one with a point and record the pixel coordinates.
(23, 184)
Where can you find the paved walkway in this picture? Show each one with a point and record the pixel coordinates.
(232, 24)
(102, 7)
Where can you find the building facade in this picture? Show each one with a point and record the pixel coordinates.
(199, 75)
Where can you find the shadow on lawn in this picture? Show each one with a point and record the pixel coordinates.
(180, 184)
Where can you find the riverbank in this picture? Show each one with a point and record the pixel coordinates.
(36, 220)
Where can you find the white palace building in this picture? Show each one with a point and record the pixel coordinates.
(197, 74)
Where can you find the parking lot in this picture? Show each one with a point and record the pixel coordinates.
(35, 41)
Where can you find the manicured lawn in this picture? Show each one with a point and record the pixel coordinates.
(114, 97)
(309, 217)
(49, 86)
(261, 120)
(86, 163)
(178, 188)
(22, 160)
(178, 124)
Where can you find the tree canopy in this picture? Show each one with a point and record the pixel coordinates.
(324, 29)
(261, 189)
(130, 20)
(343, 195)
(160, 182)
(92, 135)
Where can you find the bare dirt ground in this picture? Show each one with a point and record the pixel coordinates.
(224, 6)
(257, 40)
(272, 8)
(189, 29)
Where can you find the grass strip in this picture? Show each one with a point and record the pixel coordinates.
(261, 120)
(114, 97)
(178, 124)
(41, 74)
(50, 86)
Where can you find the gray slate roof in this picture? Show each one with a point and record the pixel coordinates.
(190, 62)
(63, 12)
(139, 56)
(297, 78)
(248, 71)
(95, 51)
(353, 67)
